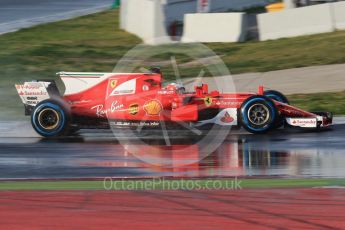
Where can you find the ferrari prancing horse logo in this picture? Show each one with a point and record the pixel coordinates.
(113, 83)
(208, 101)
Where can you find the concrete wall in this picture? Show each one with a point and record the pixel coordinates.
(339, 15)
(175, 9)
(144, 18)
(296, 22)
(302, 21)
(214, 27)
(150, 19)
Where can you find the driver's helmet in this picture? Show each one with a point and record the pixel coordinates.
(176, 87)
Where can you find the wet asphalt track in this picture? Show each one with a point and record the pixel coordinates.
(97, 154)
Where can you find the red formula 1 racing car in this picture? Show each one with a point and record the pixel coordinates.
(100, 100)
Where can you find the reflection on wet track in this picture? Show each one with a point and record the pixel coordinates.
(283, 154)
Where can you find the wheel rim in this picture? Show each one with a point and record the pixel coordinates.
(48, 119)
(258, 114)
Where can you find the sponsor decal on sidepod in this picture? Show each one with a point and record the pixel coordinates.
(225, 117)
(133, 109)
(101, 112)
(153, 107)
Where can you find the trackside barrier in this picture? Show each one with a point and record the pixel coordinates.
(150, 19)
(295, 22)
(144, 18)
(339, 15)
(215, 27)
(309, 20)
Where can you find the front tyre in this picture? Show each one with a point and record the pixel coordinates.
(258, 114)
(278, 96)
(50, 119)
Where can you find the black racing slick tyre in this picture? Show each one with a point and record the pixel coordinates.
(51, 118)
(258, 114)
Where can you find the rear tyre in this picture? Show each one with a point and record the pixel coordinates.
(50, 118)
(258, 114)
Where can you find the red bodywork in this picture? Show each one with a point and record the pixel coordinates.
(149, 101)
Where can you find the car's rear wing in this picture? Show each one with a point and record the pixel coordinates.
(32, 93)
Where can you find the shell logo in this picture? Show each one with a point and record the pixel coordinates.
(153, 107)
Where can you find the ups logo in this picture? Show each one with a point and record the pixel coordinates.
(133, 109)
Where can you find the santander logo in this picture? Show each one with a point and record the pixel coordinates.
(304, 121)
(227, 118)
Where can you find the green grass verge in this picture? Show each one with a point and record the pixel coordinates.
(89, 43)
(95, 43)
(332, 102)
(169, 184)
